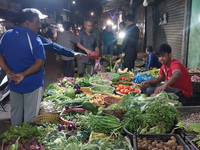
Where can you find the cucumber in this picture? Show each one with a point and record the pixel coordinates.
(89, 106)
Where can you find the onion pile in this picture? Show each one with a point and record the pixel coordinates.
(195, 78)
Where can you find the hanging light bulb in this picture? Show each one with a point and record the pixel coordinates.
(145, 3)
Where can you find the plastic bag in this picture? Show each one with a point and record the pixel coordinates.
(138, 78)
(120, 65)
(97, 66)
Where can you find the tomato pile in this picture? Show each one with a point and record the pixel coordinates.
(125, 89)
(124, 78)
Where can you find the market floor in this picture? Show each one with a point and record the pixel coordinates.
(53, 71)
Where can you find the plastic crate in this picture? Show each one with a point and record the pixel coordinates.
(164, 138)
(187, 136)
(190, 143)
(152, 137)
(86, 90)
(186, 110)
(193, 100)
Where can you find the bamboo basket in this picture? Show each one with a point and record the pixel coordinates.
(48, 118)
(121, 82)
(116, 112)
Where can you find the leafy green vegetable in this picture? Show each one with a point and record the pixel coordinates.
(20, 131)
(100, 82)
(58, 99)
(50, 86)
(82, 135)
(115, 106)
(101, 124)
(73, 116)
(102, 89)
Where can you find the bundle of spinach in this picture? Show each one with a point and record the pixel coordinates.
(133, 120)
(158, 111)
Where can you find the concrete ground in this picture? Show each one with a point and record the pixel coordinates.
(53, 71)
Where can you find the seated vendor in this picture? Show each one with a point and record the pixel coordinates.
(176, 76)
(152, 59)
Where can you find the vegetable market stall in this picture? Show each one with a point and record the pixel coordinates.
(72, 119)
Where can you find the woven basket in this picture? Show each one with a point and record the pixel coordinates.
(110, 59)
(102, 89)
(111, 100)
(141, 54)
(123, 83)
(108, 83)
(127, 75)
(48, 118)
(196, 87)
(72, 109)
(115, 112)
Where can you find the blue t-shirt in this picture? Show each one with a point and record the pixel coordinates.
(20, 47)
(152, 61)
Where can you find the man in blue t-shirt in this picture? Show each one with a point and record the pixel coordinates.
(152, 59)
(22, 56)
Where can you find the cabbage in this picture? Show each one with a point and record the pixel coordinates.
(70, 92)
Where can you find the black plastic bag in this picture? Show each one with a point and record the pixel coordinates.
(120, 65)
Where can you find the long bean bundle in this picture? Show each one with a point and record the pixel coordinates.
(101, 124)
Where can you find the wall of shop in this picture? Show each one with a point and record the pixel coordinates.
(194, 36)
(173, 31)
(140, 22)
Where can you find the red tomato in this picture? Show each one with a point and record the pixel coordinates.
(126, 91)
(132, 89)
(127, 87)
(117, 89)
(122, 91)
(120, 86)
(137, 91)
(124, 86)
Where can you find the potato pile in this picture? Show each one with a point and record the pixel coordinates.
(194, 70)
(145, 144)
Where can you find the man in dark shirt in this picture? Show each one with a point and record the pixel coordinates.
(87, 42)
(129, 44)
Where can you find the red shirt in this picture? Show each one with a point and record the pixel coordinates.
(184, 82)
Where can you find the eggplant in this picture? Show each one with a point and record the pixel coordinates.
(61, 127)
(76, 86)
(71, 127)
(77, 91)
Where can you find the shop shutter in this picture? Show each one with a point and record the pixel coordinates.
(172, 32)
